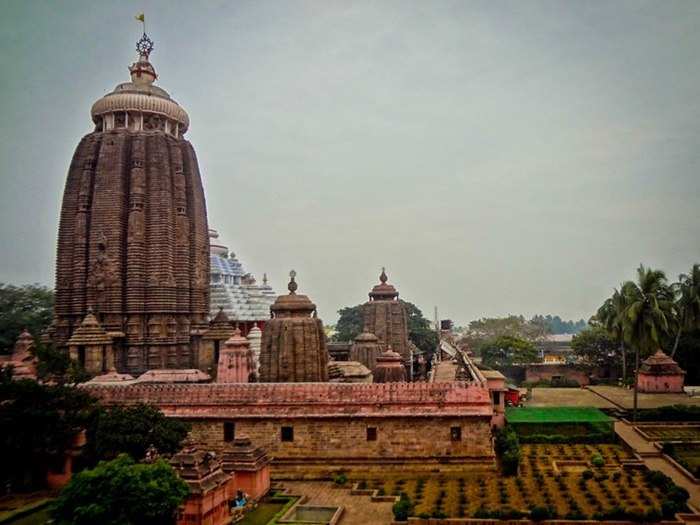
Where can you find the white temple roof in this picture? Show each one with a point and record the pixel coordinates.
(234, 290)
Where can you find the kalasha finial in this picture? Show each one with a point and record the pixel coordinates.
(292, 286)
(383, 278)
(265, 279)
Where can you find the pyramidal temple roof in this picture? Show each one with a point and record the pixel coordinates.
(234, 290)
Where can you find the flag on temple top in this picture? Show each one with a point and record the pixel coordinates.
(140, 17)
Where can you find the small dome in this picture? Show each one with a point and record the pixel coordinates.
(140, 95)
(366, 337)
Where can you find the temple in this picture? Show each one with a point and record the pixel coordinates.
(660, 373)
(293, 343)
(236, 292)
(133, 242)
(386, 317)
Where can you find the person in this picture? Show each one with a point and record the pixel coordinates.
(240, 500)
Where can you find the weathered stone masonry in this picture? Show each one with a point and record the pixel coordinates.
(331, 424)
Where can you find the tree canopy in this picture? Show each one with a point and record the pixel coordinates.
(595, 347)
(506, 351)
(38, 423)
(121, 492)
(132, 430)
(29, 306)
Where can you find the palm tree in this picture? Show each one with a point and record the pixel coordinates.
(688, 303)
(649, 315)
(611, 315)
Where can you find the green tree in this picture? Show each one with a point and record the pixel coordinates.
(612, 316)
(37, 425)
(29, 306)
(349, 324)
(490, 328)
(649, 315)
(131, 430)
(121, 492)
(595, 347)
(688, 303)
(506, 350)
(420, 331)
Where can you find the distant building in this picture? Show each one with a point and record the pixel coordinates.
(660, 373)
(245, 302)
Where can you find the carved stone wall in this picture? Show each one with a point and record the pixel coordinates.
(133, 245)
(293, 351)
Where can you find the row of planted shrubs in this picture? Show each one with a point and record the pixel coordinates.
(675, 499)
(590, 439)
(507, 447)
(670, 413)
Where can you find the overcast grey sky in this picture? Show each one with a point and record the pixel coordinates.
(497, 156)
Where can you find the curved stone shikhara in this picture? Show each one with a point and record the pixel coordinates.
(133, 245)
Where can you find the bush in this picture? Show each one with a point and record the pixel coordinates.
(542, 513)
(507, 447)
(340, 479)
(587, 474)
(402, 508)
(670, 413)
(597, 460)
(121, 491)
(437, 513)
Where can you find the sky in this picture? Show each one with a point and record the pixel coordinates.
(496, 156)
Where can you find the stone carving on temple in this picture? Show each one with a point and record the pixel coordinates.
(293, 342)
(133, 240)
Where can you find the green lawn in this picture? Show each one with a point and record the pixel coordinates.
(556, 415)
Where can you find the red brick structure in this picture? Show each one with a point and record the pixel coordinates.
(236, 361)
(132, 241)
(249, 465)
(211, 489)
(293, 342)
(554, 372)
(314, 428)
(660, 373)
(22, 360)
(385, 316)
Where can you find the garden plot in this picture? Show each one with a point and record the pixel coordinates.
(595, 491)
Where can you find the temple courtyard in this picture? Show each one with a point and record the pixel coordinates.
(605, 397)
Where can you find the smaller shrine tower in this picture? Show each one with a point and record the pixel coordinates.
(236, 361)
(386, 317)
(365, 350)
(389, 368)
(293, 343)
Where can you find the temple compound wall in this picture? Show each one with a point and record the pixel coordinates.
(314, 429)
